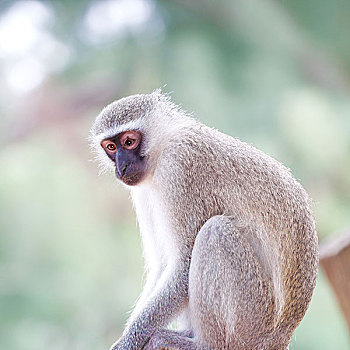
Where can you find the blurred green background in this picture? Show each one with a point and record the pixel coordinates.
(273, 73)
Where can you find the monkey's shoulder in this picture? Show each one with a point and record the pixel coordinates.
(203, 148)
(206, 159)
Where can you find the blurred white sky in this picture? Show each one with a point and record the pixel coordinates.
(112, 18)
(29, 52)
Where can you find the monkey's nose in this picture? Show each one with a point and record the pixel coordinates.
(121, 170)
(124, 169)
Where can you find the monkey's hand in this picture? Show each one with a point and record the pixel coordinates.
(167, 339)
(169, 296)
(156, 342)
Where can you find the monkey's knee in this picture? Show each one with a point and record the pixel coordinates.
(212, 230)
(219, 238)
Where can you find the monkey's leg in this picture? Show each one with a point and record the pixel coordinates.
(231, 295)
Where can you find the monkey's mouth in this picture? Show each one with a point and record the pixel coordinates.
(131, 179)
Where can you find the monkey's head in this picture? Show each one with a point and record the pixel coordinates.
(128, 134)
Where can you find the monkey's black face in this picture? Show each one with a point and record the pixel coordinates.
(125, 151)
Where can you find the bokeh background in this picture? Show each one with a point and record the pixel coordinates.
(273, 73)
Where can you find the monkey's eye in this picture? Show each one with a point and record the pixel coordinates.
(109, 146)
(130, 139)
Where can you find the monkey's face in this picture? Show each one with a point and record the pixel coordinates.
(124, 149)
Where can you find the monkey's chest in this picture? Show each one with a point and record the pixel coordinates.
(154, 224)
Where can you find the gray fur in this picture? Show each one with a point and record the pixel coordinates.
(124, 111)
(229, 239)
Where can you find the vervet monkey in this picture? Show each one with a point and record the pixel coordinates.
(229, 239)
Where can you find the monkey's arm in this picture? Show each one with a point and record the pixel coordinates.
(169, 296)
(150, 285)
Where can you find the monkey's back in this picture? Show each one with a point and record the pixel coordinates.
(237, 180)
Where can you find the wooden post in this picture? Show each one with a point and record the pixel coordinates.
(335, 261)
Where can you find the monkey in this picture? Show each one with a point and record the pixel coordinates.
(229, 239)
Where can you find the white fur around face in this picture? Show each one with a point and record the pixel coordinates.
(117, 129)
